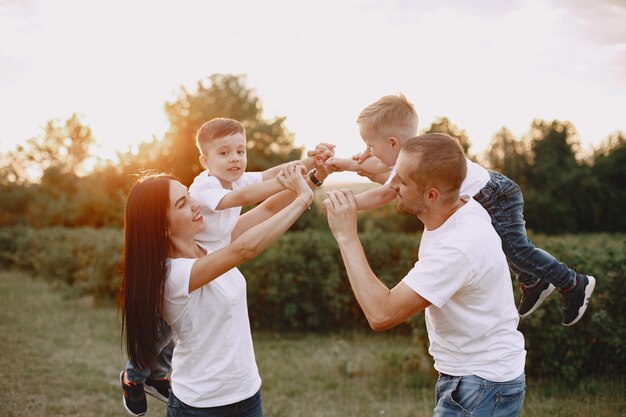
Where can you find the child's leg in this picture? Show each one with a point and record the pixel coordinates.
(134, 375)
(502, 198)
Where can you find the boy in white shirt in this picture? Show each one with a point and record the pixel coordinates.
(386, 125)
(224, 187)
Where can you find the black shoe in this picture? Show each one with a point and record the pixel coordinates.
(134, 397)
(575, 300)
(532, 297)
(158, 388)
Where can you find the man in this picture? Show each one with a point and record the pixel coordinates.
(461, 280)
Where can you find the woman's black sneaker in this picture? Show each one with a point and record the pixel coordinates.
(133, 397)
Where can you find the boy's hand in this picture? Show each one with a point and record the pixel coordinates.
(322, 149)
(362, 156)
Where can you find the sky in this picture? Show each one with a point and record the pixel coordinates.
(484, 64)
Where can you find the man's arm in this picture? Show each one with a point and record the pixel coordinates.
(383, 308)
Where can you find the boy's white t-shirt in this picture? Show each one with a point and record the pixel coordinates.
(219, 224)
(472, 322)
(213, 363)
(475, 179)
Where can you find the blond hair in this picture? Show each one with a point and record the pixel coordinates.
(438, 161)
(390, 113)
(217, 128)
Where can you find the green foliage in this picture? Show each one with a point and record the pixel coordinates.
(445, 125)
(300, 284)
(85, 260)
(595, 344)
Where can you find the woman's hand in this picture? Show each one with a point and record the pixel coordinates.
(292, 178)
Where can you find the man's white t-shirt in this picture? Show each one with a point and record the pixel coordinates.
(472, 322)
(219, 224)
(213, 363)
(475, 179)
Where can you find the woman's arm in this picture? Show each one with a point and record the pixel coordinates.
(274, 204)
(256, 239)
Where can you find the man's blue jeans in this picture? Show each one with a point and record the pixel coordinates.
(165, 347)
(465, 396)
(250, 407)
(503, 200)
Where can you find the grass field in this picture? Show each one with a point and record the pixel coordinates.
(61, 357)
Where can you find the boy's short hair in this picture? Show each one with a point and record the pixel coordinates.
(389, 111)
(217, 128)
(438, 161)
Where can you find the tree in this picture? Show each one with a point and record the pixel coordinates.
(609, 172)
(444, 125)
(508, 156)
(61, 146)
(269, 143)
(554, 178)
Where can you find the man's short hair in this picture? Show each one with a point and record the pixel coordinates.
(217, 128)
(389, 112)
(438, 161)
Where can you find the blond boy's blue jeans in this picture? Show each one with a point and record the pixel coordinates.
(503, 200)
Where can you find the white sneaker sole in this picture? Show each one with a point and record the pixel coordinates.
(154, 393)
(588, 291)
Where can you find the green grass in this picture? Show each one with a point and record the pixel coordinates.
(61, 356)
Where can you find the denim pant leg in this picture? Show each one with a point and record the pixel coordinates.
(477, 397)
(250, 407)
(165, 347)
(503, 200)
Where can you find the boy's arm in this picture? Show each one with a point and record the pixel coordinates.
(377, 197)
(250, 194)
(371, 168)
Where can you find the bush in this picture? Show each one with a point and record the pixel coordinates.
(300, 284)
(87, 260)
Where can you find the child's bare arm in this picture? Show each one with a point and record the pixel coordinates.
(374, 198)
(251, 194)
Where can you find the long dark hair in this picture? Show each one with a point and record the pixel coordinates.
(144, 267)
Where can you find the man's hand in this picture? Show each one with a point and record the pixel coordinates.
(340, 209)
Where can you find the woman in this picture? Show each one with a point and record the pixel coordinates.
(201, 295)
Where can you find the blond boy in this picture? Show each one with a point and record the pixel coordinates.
(388, 123)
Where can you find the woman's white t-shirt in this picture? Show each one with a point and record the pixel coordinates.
(213, 362)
